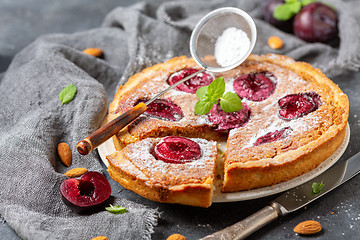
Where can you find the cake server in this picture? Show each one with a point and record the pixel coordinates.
(291, 201)
(202, 45)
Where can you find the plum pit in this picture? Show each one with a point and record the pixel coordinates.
(86, 188)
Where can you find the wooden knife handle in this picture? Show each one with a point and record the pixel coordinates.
(95, 139)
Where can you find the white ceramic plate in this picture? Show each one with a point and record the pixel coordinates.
(108, 148)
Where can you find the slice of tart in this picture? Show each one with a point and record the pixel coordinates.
(171, 169)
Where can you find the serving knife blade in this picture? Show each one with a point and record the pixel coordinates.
(291, 200)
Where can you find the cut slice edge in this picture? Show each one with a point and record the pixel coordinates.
(195, 192)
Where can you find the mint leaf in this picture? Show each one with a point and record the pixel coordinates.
(287, 10)
(209, 95)
(295, 7)
(306, 2)
(203, 107)
(200, 93)
(230, 102)
(116, 209)
(216, 88)
(67, 94)
(317, 187)
(283, 12)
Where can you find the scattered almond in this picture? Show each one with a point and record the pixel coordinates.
(64, 153)
(275, 42)
(75, 172)
(96, 52)
(308, 227)
(100, 238)
(176, 237)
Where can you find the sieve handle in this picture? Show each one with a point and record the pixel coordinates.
(174, 85)
(95, 139)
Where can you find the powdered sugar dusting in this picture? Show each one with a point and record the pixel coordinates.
(231, 46)
(141, 155)
(286, 83)
(297, 125)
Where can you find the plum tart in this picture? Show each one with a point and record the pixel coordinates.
(293, 118)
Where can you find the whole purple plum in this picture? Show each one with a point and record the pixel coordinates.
(316, 22)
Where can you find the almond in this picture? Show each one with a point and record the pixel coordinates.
(75, 172)
(308, 227)
(176, 237)
(64, 153)
(96, 52)
(275, 42)
(100, 238)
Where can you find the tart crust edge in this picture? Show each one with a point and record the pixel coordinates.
(192, 194)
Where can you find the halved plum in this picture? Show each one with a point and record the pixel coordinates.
(255, 86)
(298, 105)
(273, 136)
(194, 83)
(163, 109)
(177, 150)
(86, 192)
(227, 121)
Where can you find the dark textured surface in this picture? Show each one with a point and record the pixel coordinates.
(338, 211)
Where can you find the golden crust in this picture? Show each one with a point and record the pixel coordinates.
(188, 184)
(266, 172)
(315, 137)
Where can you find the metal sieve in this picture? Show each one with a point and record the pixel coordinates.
(210, 28)
(205, 34)
(202, 47)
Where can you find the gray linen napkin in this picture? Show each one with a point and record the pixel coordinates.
(33, 122)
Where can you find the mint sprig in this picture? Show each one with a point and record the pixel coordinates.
(288, 9)
(230, 102)
(67, 94)
(209, 95)
(317, 187)
(116, 209)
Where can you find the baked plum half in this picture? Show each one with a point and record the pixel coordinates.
(227, 121)
(273, 136)
(298, 105)
(255, 86)
(163, 109)
(177, 150)
(194, 83)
